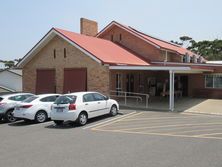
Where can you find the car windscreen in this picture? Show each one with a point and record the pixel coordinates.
(30, 99)
(67, 99)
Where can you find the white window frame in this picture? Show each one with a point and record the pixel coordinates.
(214, 76)
(119, 82)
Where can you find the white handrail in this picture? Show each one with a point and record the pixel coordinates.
(125, 95)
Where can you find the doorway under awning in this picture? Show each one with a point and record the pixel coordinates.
(172, 71)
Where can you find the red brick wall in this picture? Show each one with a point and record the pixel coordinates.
(133, 43)
(196, 85)
(97, 75)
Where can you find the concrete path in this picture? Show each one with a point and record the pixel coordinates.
(187, 104)
(207, 106)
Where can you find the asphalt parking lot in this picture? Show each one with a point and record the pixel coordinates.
(167, 124)
(154, 139)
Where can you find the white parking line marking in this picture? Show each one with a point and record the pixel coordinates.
(208, 134)
(91, 126)
(182, 129)
(196, 130)
(160, 118)
(118, 120)
(161, 134)
(173, 125)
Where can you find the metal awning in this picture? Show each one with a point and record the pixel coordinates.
(172, 70)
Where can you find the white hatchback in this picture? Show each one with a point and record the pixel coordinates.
(36, 108)
(82, 106)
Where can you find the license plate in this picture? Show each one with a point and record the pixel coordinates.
(59, 110)
(17, 108)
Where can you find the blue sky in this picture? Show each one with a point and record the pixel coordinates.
(23, 23)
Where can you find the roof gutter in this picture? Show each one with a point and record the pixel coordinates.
(190, 64)
(150, 68)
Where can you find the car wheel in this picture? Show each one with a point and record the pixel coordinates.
(113, 110)
(41, 116)
(9, 116)
(58, 122)
(82, 119)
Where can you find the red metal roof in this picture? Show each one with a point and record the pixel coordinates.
(104, 50)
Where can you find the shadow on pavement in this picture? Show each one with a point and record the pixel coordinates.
(3, 122)
(22, 123)
(69, 125)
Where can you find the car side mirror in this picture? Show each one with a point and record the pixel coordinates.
(106, 98)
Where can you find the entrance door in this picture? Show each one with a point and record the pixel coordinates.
(45, 81)
(130, 83)
(75, 80)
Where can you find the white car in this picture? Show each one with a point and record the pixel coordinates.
(82, 106)
(36, 108)
(8, 103)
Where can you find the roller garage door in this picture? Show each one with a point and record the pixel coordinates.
(75, 80)
(45, 81)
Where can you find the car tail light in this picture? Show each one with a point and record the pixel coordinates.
(26, 106)
(72, 107)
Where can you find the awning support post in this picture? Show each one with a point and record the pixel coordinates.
(171, 85)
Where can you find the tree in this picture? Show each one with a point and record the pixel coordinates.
(178, 43)
(211, 50)
(9, 64)
(17, 60)
(184, 41)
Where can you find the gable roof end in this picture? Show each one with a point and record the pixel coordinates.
(51, 34)
(158, 43)
(100, 50)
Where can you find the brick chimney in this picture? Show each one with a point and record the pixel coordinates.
(88, 27)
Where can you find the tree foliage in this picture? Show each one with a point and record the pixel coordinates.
(211, 50)
(10, 63)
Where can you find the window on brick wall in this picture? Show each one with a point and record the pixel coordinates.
(120, 37)
(54, 53)
(64, 52)
(118, 83)
(192, 59)
(213, 81)
(111, 37)
(184, 59)
(187, 58)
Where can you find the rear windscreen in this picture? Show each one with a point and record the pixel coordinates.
(68, 99)
(30, 99)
